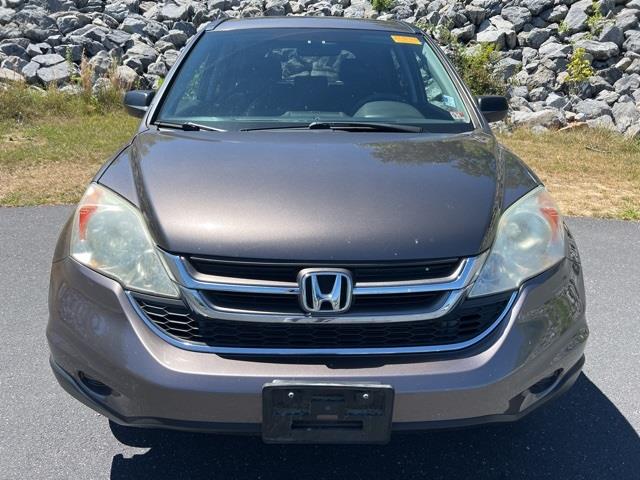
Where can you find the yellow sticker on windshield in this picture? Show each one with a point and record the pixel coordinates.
(405, 39)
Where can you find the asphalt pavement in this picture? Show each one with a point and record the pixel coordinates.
(590, 433)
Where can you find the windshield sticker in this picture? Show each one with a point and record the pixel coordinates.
(405, 39)
(448, 101)
(456, 115)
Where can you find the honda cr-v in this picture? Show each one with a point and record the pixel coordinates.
(314, 236)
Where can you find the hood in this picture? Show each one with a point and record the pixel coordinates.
(315, 195)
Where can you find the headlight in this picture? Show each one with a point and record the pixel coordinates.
(529, 240)
(109, 235)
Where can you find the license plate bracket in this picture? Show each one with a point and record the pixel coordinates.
(301, 412)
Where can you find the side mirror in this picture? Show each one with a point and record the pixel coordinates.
(137, 102)
(493, 107)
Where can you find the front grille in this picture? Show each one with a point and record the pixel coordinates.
(361, 272)
(378, 304)
(467, 321)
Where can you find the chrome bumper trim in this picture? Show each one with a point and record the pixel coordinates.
(321, 351)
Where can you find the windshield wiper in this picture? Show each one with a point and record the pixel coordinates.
(349, 126)
(188, 126)
(374, 127)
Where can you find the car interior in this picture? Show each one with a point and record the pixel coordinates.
(293, 81)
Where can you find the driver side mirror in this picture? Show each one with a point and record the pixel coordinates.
(493, 107)
(137, 102)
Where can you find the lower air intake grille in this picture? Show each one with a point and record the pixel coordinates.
(467, 321)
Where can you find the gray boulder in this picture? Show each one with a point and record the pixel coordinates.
(119, 38)
(464, 34)
(274, 8)
(608, 96)
(134, 24)
(557, 101)
(611, 33)
(633, 132)
(632, 44)
(625, 114)
(6, 15)
(48, 60)
(158, 68)
(537, 6)
(120, 9)
(72, 21)
(174, 13)
(145, 54)
(599, 50)
(7, 75)
(475, 14)
(534, 38)
(30, 72)
(507, 68)
(543, 77)
(14, 63)
(592, 108)
(604, 122)
(634, 66)
(518, 16)
(577, 16)
(170, 57)
(554, 50)
(548, 118)
(627, 84)
(555, 14)
(627, 19)
(126, 77)
(176, 38)
(56, 74)
(14, 49)
(492, 36)
(101, 63)
(155, 30)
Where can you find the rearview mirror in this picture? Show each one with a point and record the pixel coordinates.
(137, 102)
(493, 107)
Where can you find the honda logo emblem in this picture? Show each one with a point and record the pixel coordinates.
(325, 290)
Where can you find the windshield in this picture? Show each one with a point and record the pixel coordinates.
(287, 77)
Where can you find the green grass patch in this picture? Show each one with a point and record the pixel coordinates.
(590, 172)
(52, 143)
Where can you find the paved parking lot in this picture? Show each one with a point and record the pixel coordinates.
(591, 433)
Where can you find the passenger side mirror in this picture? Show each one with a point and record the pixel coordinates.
(493, 107)
(137, 102)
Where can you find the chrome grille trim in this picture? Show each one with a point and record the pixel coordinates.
(185, 345)
(199, 304)
(190, 279)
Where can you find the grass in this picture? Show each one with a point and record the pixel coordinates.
(590, 172)
(51, 144)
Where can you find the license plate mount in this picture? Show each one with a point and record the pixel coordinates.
(335, 413)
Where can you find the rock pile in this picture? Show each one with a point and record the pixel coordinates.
(42, 42)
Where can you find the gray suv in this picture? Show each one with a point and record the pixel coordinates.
(314, 236)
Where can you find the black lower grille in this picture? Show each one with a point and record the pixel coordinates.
(466, 322)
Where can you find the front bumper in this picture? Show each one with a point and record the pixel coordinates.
(94, 332)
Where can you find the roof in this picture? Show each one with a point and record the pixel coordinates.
(311, 22)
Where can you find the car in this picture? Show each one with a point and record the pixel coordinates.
(315, 237)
